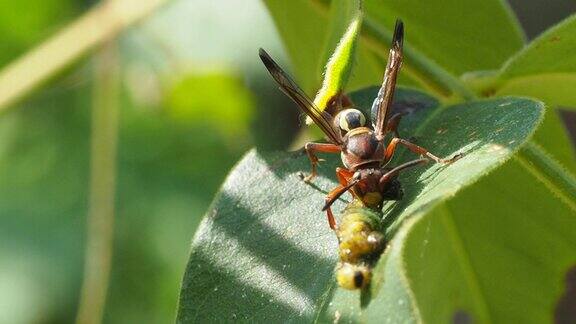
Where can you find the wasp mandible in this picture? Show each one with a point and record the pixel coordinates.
(364, 149)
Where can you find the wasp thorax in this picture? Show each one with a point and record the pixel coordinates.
(350, 118)
(353, 276)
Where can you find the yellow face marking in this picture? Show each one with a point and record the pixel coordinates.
(372, 198)
(359, 130)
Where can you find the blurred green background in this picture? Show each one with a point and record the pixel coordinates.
(193, 97)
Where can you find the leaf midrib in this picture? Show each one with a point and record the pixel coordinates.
(532, 156)
(471, 277)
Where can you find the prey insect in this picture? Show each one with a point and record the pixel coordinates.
(360, 238)
(360, 243)
(364, 148)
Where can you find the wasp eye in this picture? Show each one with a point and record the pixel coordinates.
(349, 119)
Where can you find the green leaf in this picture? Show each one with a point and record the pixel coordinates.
(545, 69)
(483, 255)
(436, 50)
(548, 53)
(459, 35)
(264, 250)
(302, 31)
(553, 136)
(562, 184)
(556, 90)
(446, 55)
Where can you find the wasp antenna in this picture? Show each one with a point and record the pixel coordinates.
(398, 38)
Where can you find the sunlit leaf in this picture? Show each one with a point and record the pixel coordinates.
(264, 251)
(549, 53)
(460, 36)
(545, 68)
(482, 255)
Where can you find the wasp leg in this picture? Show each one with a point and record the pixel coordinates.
(331, 219)
(344, 175)
(312, 148)
(331, 198)
(394, 172)
(416, 149)
(393, 122)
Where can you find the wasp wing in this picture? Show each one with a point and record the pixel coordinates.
(382, 103)
(290, 88)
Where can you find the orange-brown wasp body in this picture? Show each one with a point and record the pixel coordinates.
(364, 149)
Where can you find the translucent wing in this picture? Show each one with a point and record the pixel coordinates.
(382, 103)
(288, 86)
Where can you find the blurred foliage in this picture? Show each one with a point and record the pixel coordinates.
(186, 118)
(168, 170)
(194, 99)
(25, 23)
(213, 101)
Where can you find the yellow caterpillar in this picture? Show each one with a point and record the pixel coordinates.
(360, 243)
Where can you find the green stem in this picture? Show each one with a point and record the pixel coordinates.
(103, 22)
(100, 220)
(427, 73)
(535, 159)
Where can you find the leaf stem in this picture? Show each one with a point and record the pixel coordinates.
(101, 23)
(427, 73)
(100, 219)
(563, 184)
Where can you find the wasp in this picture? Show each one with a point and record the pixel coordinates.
(365, 149)
(360, 238)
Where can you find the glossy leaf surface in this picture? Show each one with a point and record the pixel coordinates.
(264, 251)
